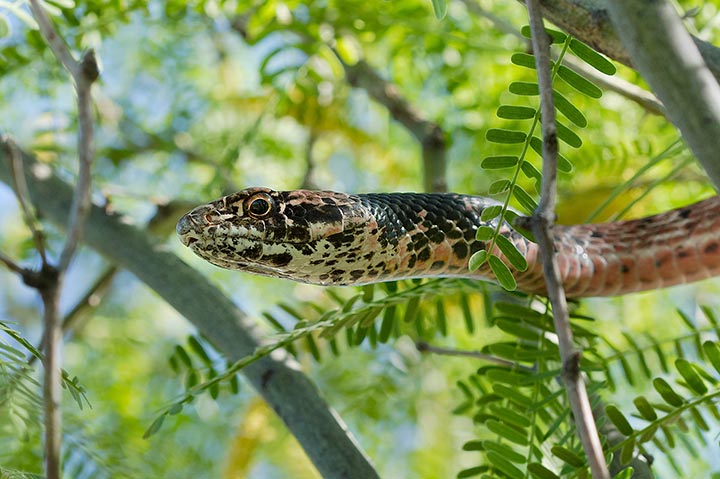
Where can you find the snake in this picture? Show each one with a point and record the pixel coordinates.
(334, 239)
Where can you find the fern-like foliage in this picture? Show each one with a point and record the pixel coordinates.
(524, 142)
(518, 402)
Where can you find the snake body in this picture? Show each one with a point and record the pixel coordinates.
(330, 238)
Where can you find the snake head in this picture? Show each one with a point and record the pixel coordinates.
(273, 233)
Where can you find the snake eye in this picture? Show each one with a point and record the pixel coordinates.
(259, 205)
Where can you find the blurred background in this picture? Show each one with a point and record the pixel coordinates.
(198, 99)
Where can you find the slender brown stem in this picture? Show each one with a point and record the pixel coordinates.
(424, 347)
(22, 195)
(50, 279)
(542, 223)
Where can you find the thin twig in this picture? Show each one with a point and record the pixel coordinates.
(23, 195)
(50, 279)
(11, 265)
(429, 134)
(542, 223)
(424, 347)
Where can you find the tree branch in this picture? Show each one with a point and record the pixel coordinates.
(429, 134)
(672, 65)
(589, 21)
(542, 223)
(277, 378)
(83, 73)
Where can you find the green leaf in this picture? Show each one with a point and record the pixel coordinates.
(644, 408)
(196, 346)
(507, 432)
(484, 233)
(498, 162)
(440, 317)
(568, 456)
(505, 452)
(4, 27)
(387, 324)
(183, 355)
(472, 472)
(564, 164)
(411, 310)
(467, 314)
(626, 473)
(555, 35)
(530, 171)
(154, 427)
(690, 375)
(620, 421)
(512, 417)
(570, 111)
(440, 8)
(628, 451)
(712, 351)
(579, 82)
(541, 472)
(512, 112)
(502, 273)
(525, 200)
(477, 260)
(524, 88)
(499, 186)
(523, 60)
(667, 392)
(568, 136)
(592, 58)
(504, 465)
(511, 252)
(490, 213)
(497, 135)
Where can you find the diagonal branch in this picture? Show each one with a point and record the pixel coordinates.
(542, 223)
(285, 388)
(429, 134)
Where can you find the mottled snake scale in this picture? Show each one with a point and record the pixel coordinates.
(329, 238)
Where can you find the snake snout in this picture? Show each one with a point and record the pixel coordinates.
(189, 227)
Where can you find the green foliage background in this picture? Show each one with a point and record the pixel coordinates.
(200, 98)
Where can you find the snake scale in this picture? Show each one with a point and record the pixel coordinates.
(329, 238)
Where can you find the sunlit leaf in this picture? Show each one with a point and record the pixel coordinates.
(524, 88)
(490, 213)
(499, 186)
(667, 392)
(497, 135)
(507, 432)
(568, 456)
(579, 82)
(477, 260)
(512, 112)
(525, 200)
(568, 136)
(712, 351)
(591, 57)
(644, 408)
(440, 8)
(502, 273)
(693, 379)
(498, 162)
(523, 60)
(619, 420)
(511, 252)
(539, 471)
(570, 111)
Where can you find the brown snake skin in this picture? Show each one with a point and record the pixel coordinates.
(329, 238)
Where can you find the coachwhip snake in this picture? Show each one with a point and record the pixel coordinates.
(330, 238)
